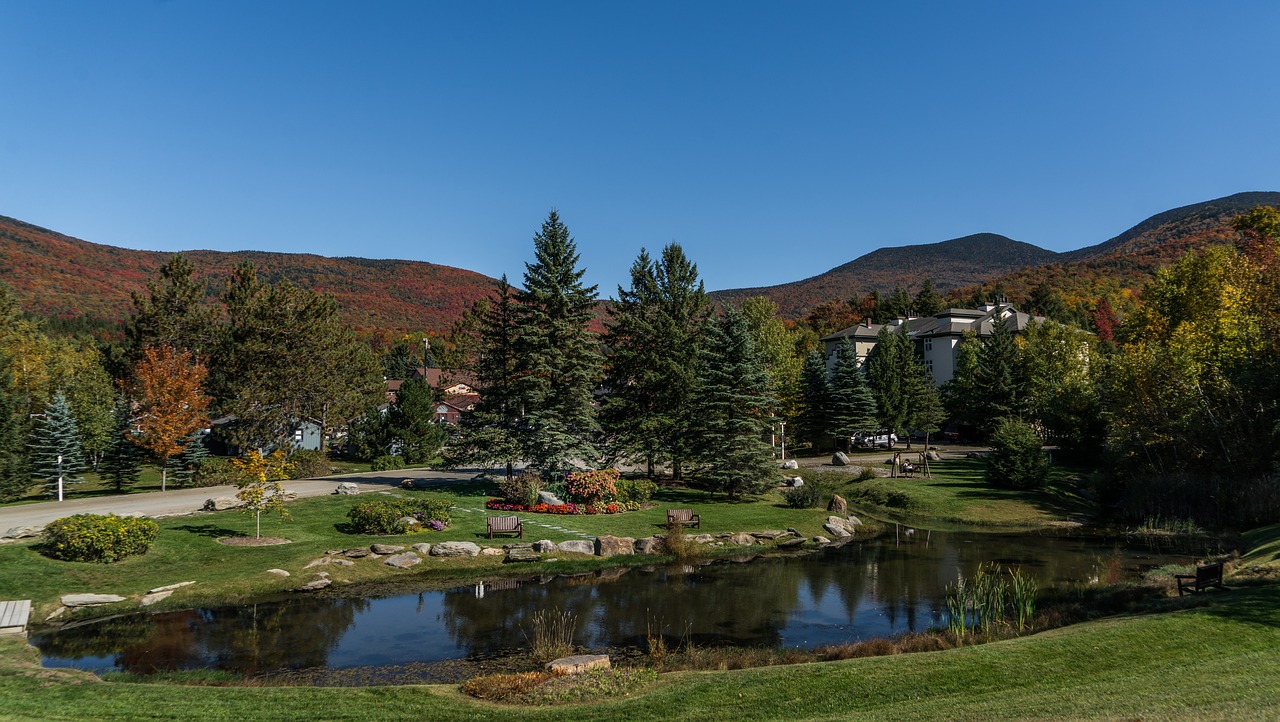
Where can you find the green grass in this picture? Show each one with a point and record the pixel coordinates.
(187, 548)
(1215, 661)
(1263, 545)
(957, 496)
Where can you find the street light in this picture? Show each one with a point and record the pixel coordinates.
(59, 477)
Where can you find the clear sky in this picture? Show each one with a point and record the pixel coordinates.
(772, 140)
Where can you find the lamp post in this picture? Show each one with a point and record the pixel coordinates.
(59, 477)
(783, 426)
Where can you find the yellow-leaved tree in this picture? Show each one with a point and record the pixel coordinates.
(171, 404)
(259, 483)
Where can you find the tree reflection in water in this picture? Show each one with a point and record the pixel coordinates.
(864, 590)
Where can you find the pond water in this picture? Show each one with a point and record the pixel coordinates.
(859, 591)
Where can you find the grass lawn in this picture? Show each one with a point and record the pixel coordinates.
(955, 496)
(1217, 660)
(187, 548)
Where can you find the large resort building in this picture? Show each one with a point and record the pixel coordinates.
(936, 338)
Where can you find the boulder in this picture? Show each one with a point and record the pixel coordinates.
(313, 585)
(546, 497)
(838, 504)
(578, 663)
(455, 549)
(702, 538)
(385, 548)
(848, 523)
(933, 456)
(520, 554)
(768, 534)
(544, 545)
(836, 530)
(821, 540)
(839, 459)
(649, 545)
(743, 540)
(612, 546)
(154, 597)
(410, 522)
(791, 464)
(55, 614)
(342, 562)
(346, 487)
(22, 532)
(422, 548)
(791, 543)
(491, 552)
(317, 562)
(89, 600)
(577, 546)
(402, 561)
(221, 503)
(278, 572)
(356, 553)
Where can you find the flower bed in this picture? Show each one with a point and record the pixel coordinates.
(610, 508)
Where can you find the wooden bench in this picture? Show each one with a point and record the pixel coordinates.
(683, 517)
(505, 525)
(13, 617)
(1209, 575)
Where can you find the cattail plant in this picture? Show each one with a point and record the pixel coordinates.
(552, 634)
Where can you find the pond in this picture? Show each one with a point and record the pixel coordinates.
(859, 591)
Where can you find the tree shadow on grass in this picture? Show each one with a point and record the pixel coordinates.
(1250, 605)
(212, 531)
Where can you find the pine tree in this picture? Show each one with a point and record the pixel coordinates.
(961, 396)
(121, 459)
(888, 369)
(15, 479)
(652, 338)
(928, 302)
(492, 432)
(559, 354)
(55, 447)
(186, 463)
(172, 313)
(731, 408)
(853, 407)
(999, 376)
(925, 411)
(815, 415)
(399, 361)
(412, 421)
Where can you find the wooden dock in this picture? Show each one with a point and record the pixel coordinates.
(13, 617)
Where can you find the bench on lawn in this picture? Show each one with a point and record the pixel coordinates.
(683, 517)
(1209, 575)
(505, 525)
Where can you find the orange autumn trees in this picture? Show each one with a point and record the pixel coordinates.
(170, 401)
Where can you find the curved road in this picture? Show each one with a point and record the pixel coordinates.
(180, 502)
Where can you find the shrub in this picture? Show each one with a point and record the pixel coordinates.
(383, 516)
(522, 488)
(634, 490)
(1019, 461)
(503, 686)
(808, 496)
(215, 471)
(593, 487)
(867, 474)
(308, 464)
(552, 634)
(387, 463)
(96, 538)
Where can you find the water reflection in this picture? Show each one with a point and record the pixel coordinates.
(860, 591)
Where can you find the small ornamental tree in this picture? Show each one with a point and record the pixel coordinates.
(171, 404)
(259, 483)
(593, 487)
(1019, 461)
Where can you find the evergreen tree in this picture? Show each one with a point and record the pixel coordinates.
(731, 409)
(14, 477)
(928, 302)
(1046, 301)
(428, 358)
(852, 407)
(961, 396)
(652, 339)
(121, 459)
(370, 435)
(815, 415)
(925, 409)
(188, 460)
(55, 446)
(399, 362)
(558, 352)
(890, 369)
(412, 422)
(172, 313)
(492, 433)
(999, 376)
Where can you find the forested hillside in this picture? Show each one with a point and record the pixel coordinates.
(58, 276)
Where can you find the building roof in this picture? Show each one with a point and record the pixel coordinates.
(951, 322)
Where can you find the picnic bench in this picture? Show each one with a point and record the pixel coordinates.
(505, 525)
(683, 517)
(1209, 575)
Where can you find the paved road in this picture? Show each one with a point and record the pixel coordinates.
(186, 501)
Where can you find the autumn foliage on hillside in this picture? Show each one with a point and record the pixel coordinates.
(56, 276)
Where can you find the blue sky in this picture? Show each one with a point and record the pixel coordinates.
(772, 140)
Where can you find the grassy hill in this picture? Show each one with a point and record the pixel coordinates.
(58, 276)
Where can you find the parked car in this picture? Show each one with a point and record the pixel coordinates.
(882, 439)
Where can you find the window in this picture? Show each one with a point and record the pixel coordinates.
(928, 345)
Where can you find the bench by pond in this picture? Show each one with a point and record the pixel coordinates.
(1209, 575)
(683, 517)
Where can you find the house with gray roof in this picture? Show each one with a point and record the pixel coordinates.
(936, 338)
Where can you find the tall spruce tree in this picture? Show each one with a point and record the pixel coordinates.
(853, 407)
(928, 301)
(412, 421)
(961, 396)
(999, 376)
(121, 462)
(815, 414)
(925, 409)
(14, 477)
(891, 369)
(492, 432)
(399, 361)
(172, 313)
(652, 340)
(55, 447)
(731, 406)
(559, 352)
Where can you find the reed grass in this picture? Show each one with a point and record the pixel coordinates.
(552, 634)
